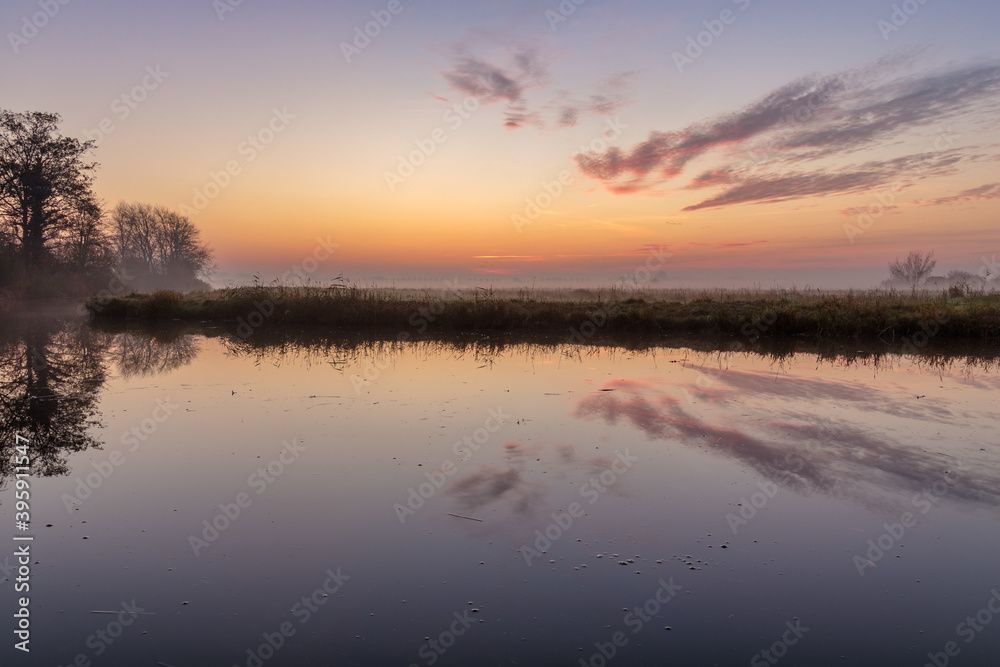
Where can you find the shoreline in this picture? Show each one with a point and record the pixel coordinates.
(872, 315)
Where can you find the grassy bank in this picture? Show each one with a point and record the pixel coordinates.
(597, 314)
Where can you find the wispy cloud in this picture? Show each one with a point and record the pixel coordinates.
(490, 84)
(738, 245)
(807, 129)
(521, 483)
(606, 98)
(988, 191)
(855, 211)
(727, 244)
(770, 188)
(853, 459)
(524, 70)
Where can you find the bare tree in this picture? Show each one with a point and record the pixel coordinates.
(153, 241)
(84, 245)
(44, 181)
(964, 281)
(180, 249)
(133, 234)
(914, 270)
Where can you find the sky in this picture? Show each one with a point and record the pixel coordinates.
(723, 143)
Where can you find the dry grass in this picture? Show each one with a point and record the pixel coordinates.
(598, 313)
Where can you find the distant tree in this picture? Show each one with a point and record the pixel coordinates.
(84, 245)
(962, 282)
(44, 181)
(963, 278)
(914, 269)
(158, 246)
(133, 237)
(180, 250)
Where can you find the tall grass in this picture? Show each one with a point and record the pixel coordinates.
(612, 311)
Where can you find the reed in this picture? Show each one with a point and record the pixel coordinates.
(599, 313)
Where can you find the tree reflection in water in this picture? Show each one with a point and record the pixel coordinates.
(52, 371)
(51, 374)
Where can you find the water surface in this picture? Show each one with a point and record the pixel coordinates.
(457, 503)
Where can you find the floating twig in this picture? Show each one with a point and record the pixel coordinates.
(130, 613)
(460, 516)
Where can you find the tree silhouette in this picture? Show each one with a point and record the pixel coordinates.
(44, 181)
(914, 270)
(157, 246)
(85, 247)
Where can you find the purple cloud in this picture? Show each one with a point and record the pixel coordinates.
(988, 191)
(490, 84)
(816, 118)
